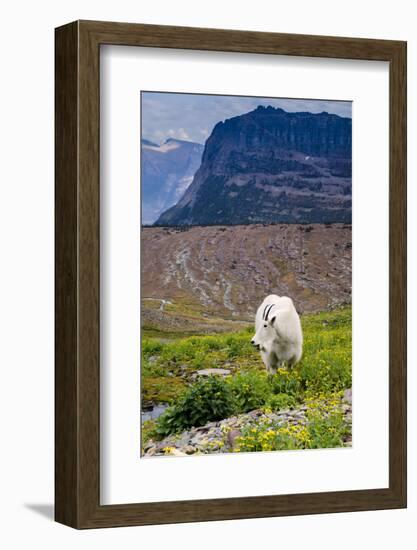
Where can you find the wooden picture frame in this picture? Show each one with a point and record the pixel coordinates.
(77, 382)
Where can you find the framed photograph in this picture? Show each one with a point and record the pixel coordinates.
(230, 274)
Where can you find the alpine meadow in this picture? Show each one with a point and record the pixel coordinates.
(246, 208)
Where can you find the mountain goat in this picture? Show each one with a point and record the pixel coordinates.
(278, 334)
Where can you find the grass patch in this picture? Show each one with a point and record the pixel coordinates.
(161, 389)
(148, 431)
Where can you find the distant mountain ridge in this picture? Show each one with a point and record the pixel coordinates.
(271, 166)
(166, 172)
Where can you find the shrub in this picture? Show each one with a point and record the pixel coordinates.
(281, 401)
(327, 431)
(269, 437)
(326, 427)
(151, 346)
(251, 390)
(327, 356)
(286, 381)
(326, 422)
(328, 371)
(238, 345)
(207, 400)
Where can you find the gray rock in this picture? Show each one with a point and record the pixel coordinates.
(148, 446)
(231, 438)
(347, 396)
(212, 372)
(183, 441)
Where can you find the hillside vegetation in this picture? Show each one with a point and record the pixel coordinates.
(241, 406)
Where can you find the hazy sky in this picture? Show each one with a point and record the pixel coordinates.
(192, 117)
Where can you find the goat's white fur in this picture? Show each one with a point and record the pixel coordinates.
(278, 333)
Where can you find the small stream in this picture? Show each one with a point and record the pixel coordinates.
(152, 412)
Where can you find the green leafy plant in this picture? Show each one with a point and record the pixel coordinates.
(286, 381)
(207, 400)
(151, 346)
(267, 436)
(327, 424)
(281, 401)
(250, 389)
(325, 427)
(330, 371)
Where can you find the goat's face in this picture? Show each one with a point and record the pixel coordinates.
(265, 335)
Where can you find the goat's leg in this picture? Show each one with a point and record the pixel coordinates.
(273, 363)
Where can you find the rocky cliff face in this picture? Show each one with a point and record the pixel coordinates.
(271, 166)
(167, 171)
